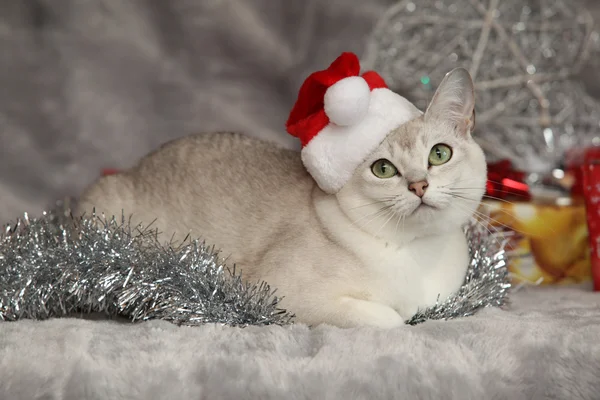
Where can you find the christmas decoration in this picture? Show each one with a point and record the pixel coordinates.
(340, 117)
(506, 182)
(57, 265)
(591, 190)
(521, 55)
(548, 239)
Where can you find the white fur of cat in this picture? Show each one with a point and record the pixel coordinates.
(372, 254)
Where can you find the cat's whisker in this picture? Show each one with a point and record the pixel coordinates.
(385, 200)
(494, 221)
(495, 190)
(383, 215)
(403, 224)
(400, 217)
(453, 183)
(471, 179)
(483, 215)
(373, 215)
(487, 196)
(513, 216)
(392, 214)
(466, 180)
(483, 225)
(487, 221)
(464, 196)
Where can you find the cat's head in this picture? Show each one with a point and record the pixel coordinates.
(427, 176)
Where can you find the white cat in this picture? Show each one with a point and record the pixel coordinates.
(386, 244)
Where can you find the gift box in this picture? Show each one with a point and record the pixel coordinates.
(546, 226)
(548, 241)
(590, 188)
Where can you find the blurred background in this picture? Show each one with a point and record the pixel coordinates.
(87, 85)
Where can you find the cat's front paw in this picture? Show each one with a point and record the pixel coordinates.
(367, 313)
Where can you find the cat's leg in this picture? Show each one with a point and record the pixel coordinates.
(316, 297)
(348, 312)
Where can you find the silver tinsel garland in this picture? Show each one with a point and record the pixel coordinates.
(524, 57)
(58, 265)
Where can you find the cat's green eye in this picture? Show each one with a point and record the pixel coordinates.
(440, 154)
(383, 169)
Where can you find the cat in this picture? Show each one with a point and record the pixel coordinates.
(372, 254)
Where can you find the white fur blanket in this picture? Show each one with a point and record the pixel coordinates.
(544, 346)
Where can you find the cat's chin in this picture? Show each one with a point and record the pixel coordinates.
(425, 207)
(425, 210)
(438, 218)
(430, 216)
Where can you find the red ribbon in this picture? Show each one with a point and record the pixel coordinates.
(504, 181)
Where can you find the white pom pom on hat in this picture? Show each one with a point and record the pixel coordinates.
(347, 101)
(341, 117)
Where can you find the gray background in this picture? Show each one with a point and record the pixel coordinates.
(86, 84)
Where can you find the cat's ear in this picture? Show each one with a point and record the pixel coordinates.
(454, 101)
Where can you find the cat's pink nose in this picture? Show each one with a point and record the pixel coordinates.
(418, 188)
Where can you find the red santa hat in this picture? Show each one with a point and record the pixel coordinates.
(341, 117)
